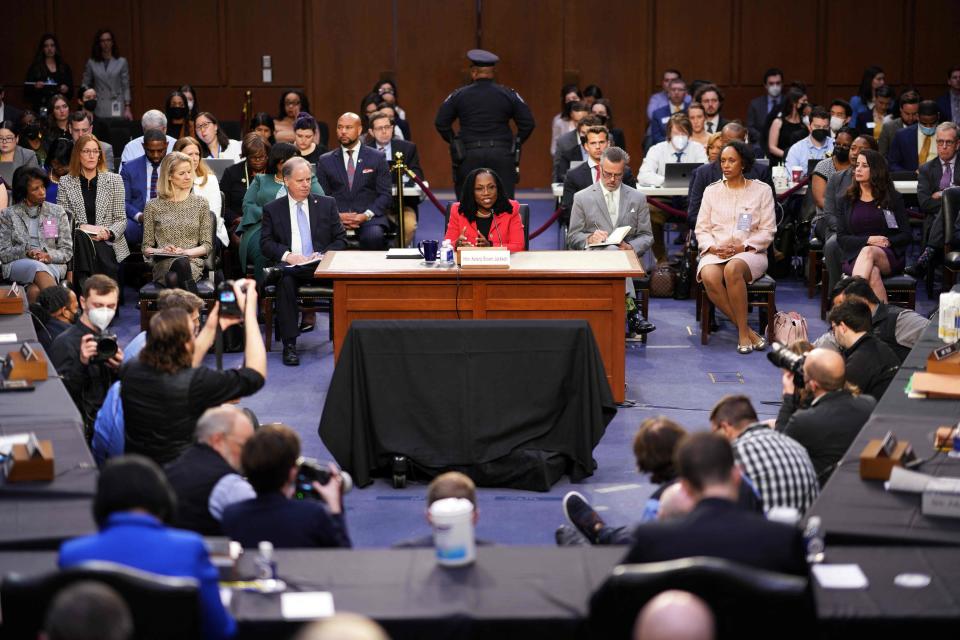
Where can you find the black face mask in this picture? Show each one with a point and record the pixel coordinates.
(90, 105)
(841, 153)
(176, 113)
(820, 135)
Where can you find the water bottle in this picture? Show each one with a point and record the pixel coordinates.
(813, 540)
(446, 253)
(266, 565)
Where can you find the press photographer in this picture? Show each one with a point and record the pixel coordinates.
(87, 355)
(835, 415)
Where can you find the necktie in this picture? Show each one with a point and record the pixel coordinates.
(611, 209)
(306, 242)
(153, 181)
(709, 127)
(383, 150)
(597, 178)
(351, 168)
(924, 149)
(770, 104)
(947, 178)
(679, 155)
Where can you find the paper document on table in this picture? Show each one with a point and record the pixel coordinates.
(6, 338)
(616, 237)
(308, 605)
(408, 254)
(908, 481)
(308, 263)
(840, 576)
(7, 442)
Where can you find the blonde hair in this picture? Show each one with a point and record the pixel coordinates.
(170, 163)
(75, 167)
(202, 170)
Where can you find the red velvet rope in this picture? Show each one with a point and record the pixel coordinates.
(546, 225)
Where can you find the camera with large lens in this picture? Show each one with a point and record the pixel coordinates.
(783, 358)
(310, 470)
(107, 346)
(229, 307)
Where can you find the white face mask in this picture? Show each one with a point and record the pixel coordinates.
(679, 142)
(189, 105)
(806, 121)
(773, 90)
(835, 123)
(101, 317)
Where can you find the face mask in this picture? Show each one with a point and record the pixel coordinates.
(679, 142)
(835, 123)
(176, 113)
(190, 105)
(806, 121)
(101, 317)
(820, 135)
(927, 131)
(841, 153)
(603, 119)
(773, 90)
(90, 105)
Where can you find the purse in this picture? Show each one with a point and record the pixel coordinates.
(662, 281)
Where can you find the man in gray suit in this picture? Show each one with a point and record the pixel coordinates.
(603, 207)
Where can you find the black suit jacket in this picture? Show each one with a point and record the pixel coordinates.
(568, 149)
(757, 121)
(928, 183)
(234, 186)
(410, 155)
(371, 182)
(720, 529)
(288, 524)
(579, 179)
(826, 429)
(708, 173)
(871, 365)
(325, 227)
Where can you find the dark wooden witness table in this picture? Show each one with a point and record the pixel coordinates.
(510, 592)
(43, 514)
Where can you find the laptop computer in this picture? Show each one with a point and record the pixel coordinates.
(219, 165)
(677, 174)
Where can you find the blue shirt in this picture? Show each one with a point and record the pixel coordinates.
(805, 150)
(132, 350)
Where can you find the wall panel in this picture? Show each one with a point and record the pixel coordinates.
(861, 35)
(255, 29)
(181, 44)
(937, 26)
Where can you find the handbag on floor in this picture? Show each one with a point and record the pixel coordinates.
(788, 327)
(662, 281)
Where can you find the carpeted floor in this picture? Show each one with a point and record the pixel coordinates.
(672, 375)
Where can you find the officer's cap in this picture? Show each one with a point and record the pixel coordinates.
(481, 58)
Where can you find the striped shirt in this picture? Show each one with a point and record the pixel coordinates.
(778, 466)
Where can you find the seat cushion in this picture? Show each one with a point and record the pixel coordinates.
(902, 281)
(763, 283)
(314, 291)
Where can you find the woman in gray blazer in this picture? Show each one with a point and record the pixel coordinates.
(94, 199)
(12, 155)
(109, 74)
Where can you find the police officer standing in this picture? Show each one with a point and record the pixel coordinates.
(484, 109)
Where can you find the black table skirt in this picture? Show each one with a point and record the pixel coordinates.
(512, 403)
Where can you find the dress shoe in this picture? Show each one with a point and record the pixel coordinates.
(637, 324)
(290, 357)
(918, 270)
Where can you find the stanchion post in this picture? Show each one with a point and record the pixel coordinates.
(400, 168)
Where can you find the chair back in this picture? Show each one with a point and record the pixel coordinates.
(210, 261)
(162, 607)
(745, 601)
(524, 218)
(951, 205)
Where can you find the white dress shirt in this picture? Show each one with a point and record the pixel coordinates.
(232, 151)
(663, 153)
(211, 191)
(296, 245)
(134, 149)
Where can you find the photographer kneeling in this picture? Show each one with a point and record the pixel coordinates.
(835, 415)
(165, 391)
(270, 460)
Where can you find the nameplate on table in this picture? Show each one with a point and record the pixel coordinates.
(484, 257)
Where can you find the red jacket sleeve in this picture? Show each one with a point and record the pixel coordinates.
(457, 223)
(513, 238)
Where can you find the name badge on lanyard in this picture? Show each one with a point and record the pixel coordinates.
(891, 219)
(744, 221)
(48, 229)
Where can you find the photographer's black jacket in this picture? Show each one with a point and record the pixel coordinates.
(87, 383)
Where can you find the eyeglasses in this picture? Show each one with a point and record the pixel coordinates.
(607, 174)
(204, 126)
(946, 143)
(383, 128)
(7, 140)
(90, 152)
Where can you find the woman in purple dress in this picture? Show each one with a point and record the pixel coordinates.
(872, 225)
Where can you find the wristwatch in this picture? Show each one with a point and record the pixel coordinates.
(369, 215)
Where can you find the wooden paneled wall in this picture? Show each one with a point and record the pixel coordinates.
(337, 50)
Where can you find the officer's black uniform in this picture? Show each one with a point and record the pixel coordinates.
(485, 109)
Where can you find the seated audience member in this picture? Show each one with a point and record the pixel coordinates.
(817, 146)
(711, 98)
(932, 178)
(58, 165)
(81, 124)
(787, 127)
(840, 115)
(602, 109)
(698, 120)
(132, 508)
(676, 148)
(12, 155)
(262, 125)
(165, 390)
(873, 78)
(270, 460)
(32, 135)
(380, 134)
(451, 484)
(297, 229)
(141, 176)
(386, 90)
(264, 189)
(238, 177)
(87, 100)
(58, 119)
(714, 146)
(678, 100)
(562, 122)
(206, 477)
(205, 184)
(916, 145)
(707, 174)
(872, 225)
(368, 105)
(898, 328)
(305, 138)
(675, 615)
(343, 626)
(87, 610)
(179, 123)
(7, 110)
(214, 142)
(177, 222)
(570, 145)
(152, 120)
(660, 98)
(826, 428)
(596, 141)
(86, 374)
(949, 103)
(870, 363)
(94, 198)
(293, 102)
(826, 229)
(872, 122)
(484, 216)
(716, 526)
(762, 106)
(605, 206)
(839, 161)
(401, 132)
(733, 249)
(54, 311)
(168, 299)
(909, 104)
(36, 240)
(357, 177)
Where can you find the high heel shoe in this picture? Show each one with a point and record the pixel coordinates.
(760, 344)
(744, 349)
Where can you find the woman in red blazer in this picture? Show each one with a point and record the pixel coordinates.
(484, 216)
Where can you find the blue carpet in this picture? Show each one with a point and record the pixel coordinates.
(668, 376)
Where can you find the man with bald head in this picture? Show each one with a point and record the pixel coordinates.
(708, 173)
(358, 178)
(675, 615)
(827, 428)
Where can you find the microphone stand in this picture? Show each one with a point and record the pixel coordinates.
(400, 168)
